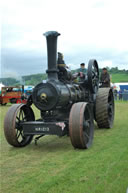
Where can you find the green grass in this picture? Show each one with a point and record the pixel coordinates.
(54, 166)
(118, 77)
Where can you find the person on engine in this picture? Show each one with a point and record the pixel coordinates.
(105, 78)
(82, 71)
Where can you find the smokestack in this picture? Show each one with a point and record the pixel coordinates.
(51, 38)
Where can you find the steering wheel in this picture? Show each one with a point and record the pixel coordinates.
(93, 76)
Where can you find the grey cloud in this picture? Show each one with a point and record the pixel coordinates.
(30, 62)
(24, 60)
(23, 63)
(119, 59)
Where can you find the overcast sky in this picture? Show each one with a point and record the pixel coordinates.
(89, 29)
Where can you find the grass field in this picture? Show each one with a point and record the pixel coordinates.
(54, 166)
(118, 77)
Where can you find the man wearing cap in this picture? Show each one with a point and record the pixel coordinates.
(82, 71)
(64, 72)
(60, 60)
(105, 78)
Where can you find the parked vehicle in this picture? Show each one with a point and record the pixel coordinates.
(12, 94)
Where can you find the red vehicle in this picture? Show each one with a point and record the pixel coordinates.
(12, 94)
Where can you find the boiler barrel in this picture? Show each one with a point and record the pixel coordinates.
(52, 95)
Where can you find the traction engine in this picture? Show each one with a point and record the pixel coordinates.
(66, 107)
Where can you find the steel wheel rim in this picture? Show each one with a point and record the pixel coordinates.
(12, 125)
(111, 107)
(18, 128)
(86, 125)
(93, 76)
(105, 109)
(81, 127)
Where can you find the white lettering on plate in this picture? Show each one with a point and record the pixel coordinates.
(42, 129)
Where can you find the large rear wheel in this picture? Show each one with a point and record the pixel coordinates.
(13, 130)
(104, 109)
(81, 126)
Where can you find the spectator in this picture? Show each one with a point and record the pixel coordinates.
(115, 94)
(120, 94)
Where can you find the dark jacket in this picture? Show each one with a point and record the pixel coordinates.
(105, 80)
(60, 61)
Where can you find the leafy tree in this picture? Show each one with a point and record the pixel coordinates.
(34, 79)
(9, 81)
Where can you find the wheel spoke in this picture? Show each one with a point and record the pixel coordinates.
(94, 73)
(110, 107)
(110, 110)
(25, 118)
(17, 131)
(17, 125)
(18, 135)
(86, 128)
(110, 113)
(18, 118)
(21, 134)
(22, 115)
(85, 133)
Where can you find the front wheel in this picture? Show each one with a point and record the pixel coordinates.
(81, 126)
(13, 130)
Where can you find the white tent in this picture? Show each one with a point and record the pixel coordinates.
(1, 85)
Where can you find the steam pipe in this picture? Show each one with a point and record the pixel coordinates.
(51, 39)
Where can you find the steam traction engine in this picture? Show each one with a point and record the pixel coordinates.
(66, 108)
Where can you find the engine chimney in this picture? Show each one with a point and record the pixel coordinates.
(51, 38)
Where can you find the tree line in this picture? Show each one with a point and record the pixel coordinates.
(34, 79)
